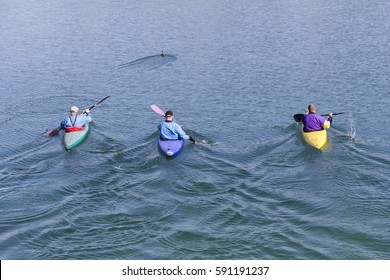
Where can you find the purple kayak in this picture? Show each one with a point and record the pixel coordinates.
(170, 147)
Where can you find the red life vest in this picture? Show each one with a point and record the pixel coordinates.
(74, 128)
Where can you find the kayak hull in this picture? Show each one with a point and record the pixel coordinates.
(75, 138)
(170, 148)
(317, 139)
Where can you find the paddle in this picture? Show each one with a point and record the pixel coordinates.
(299, 117)
(157, 110)
(55, 131)
(94, 105)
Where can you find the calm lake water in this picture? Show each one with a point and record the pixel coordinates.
(235, 73)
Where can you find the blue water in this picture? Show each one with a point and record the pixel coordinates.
(234, 74)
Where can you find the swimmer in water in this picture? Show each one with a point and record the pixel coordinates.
(162, 53)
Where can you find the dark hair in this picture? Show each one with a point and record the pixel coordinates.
(168, 113)
(311, 108)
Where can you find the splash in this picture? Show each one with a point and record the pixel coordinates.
(352, 127)
(206, 143)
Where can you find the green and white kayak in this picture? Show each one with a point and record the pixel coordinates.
(75, 138)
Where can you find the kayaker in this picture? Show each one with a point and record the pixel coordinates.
(75, 122)
(170, 130)
(313, 122)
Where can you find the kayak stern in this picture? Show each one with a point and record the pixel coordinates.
(317, 139)
(75, 138)
(170, 148)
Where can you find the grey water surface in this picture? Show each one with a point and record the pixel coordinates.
(234, 74)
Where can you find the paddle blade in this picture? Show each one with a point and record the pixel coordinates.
(157, 110)
(298, 117)
(51, 133)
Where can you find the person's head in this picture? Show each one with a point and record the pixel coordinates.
(74, 110)
(169, 115)
(312, 108)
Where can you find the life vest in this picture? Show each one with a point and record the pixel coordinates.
(74, 128)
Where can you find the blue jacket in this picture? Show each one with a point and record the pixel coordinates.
(75, 121)
(171, 131)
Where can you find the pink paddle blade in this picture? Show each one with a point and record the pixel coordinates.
(157, 110)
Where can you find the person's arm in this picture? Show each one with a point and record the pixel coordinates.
(181, 132)
(63, 124)
(330, 118)
(87, 113)
(328, 122)
(184, 136)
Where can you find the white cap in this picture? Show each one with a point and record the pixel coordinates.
(74, 109)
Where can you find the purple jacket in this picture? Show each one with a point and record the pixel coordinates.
(313, 122)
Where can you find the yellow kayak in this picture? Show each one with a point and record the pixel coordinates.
(317, 139)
